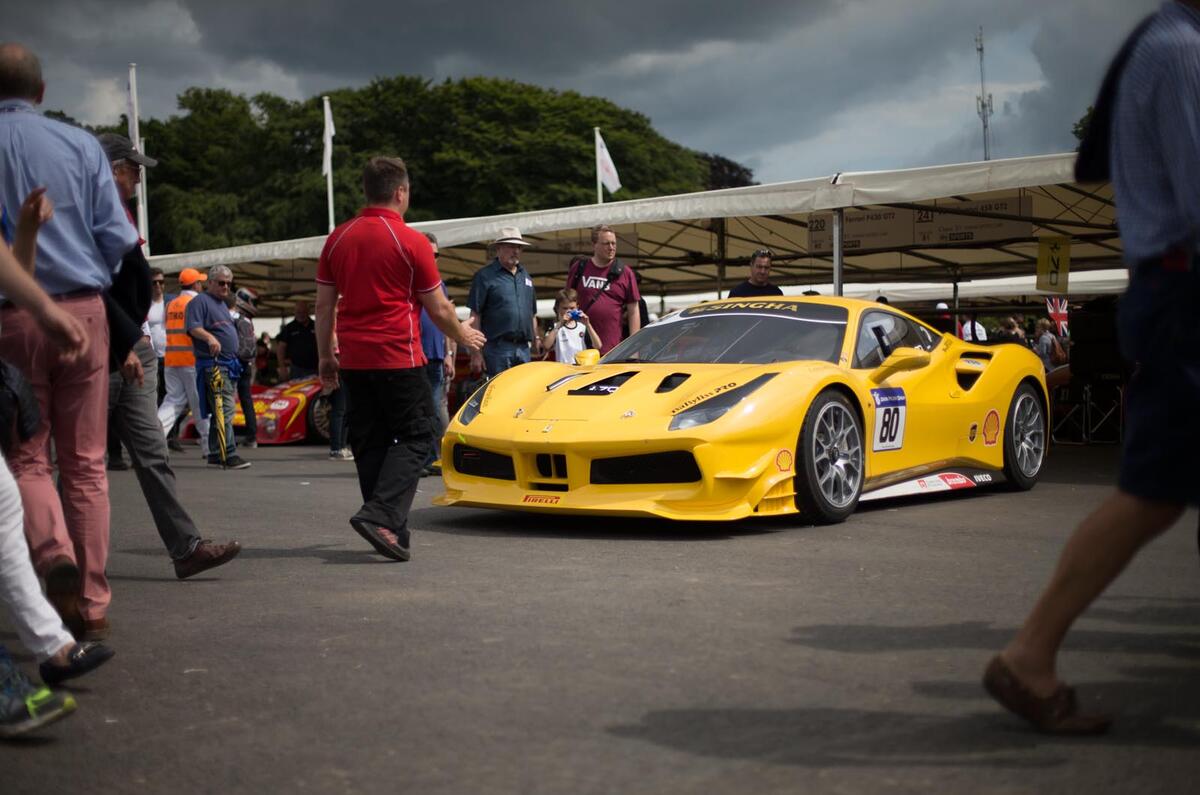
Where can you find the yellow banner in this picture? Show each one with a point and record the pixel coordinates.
(1053, 265)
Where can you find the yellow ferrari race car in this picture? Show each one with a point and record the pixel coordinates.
(752, 407)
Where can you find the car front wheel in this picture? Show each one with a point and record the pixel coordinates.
(830, 478)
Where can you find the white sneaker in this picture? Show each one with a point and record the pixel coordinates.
(341, 455)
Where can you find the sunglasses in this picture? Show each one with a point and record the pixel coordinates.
(157, 281)
(219, 283)
(762, 252)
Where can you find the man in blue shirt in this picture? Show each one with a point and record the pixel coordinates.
(1145, 133)
(215, 343)
(78, 251)
(503, 307)
(439, 369)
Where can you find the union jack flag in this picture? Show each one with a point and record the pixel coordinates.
(1056, 308)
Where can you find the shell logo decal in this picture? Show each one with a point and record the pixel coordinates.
(991, 428)
(783, 461)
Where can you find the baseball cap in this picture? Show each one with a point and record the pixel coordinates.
(118, 147)
(189, 276)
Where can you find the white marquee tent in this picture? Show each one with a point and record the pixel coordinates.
(910, 234)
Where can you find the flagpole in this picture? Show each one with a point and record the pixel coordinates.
(599, 187)
(144, 203)
(135, 139)
(328, 162)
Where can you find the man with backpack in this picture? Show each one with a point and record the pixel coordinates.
(607, 290)
(1048, 348)
(243, 311)
(1143, 136)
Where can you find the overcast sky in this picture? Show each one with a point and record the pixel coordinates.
(791, 88)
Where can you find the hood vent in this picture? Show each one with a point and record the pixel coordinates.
(671, 382)
(606, 387)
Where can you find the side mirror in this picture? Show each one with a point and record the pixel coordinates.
(902, 360)
(587, 357)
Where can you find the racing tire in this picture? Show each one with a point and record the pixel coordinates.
(1024, 439)
(831, 458)
(317, 419)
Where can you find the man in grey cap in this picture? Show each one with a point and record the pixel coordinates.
(215, 344)
(133, 396)
(504, 307)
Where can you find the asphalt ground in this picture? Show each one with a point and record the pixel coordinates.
(530, 654)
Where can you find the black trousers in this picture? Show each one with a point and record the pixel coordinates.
(246, 398)
(391, 418)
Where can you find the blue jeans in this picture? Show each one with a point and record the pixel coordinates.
(499, 355)
(246, 399)
(436, 377)
(339, 429)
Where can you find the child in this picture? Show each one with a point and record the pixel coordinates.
(572, 332)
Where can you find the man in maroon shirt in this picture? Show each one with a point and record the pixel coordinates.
(384, 272)
(606, 289)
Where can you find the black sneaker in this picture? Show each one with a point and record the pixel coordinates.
(233, 462)
(25, 706)
(175, 444)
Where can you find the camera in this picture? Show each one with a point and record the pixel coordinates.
(575, 314)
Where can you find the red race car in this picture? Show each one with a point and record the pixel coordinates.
(294, 411)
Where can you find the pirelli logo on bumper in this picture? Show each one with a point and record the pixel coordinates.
(541, 499)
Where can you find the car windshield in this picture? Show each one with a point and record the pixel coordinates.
(736, 334)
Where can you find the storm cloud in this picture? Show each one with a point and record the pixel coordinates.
(792, 89)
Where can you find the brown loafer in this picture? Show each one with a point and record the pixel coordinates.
(62, 591)
(1057, 713)
(207, 555)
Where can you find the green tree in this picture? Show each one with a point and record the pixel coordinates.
(1079, 129)
(235, 170)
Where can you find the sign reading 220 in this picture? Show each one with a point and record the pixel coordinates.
(890, 409)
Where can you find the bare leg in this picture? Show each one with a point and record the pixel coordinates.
(1096, 553)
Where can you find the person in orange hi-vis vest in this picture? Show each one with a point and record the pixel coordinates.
(179, 362)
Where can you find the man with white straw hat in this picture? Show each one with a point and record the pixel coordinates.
(503, 306)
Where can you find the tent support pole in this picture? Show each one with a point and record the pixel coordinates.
(719, 224)
(838, 219)
(955, 304)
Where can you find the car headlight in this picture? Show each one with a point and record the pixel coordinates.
(474, 404)
(715, 407)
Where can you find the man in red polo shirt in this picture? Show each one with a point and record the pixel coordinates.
(384, 272)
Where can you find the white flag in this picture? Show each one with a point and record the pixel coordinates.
(605, 167)
(327, 162)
